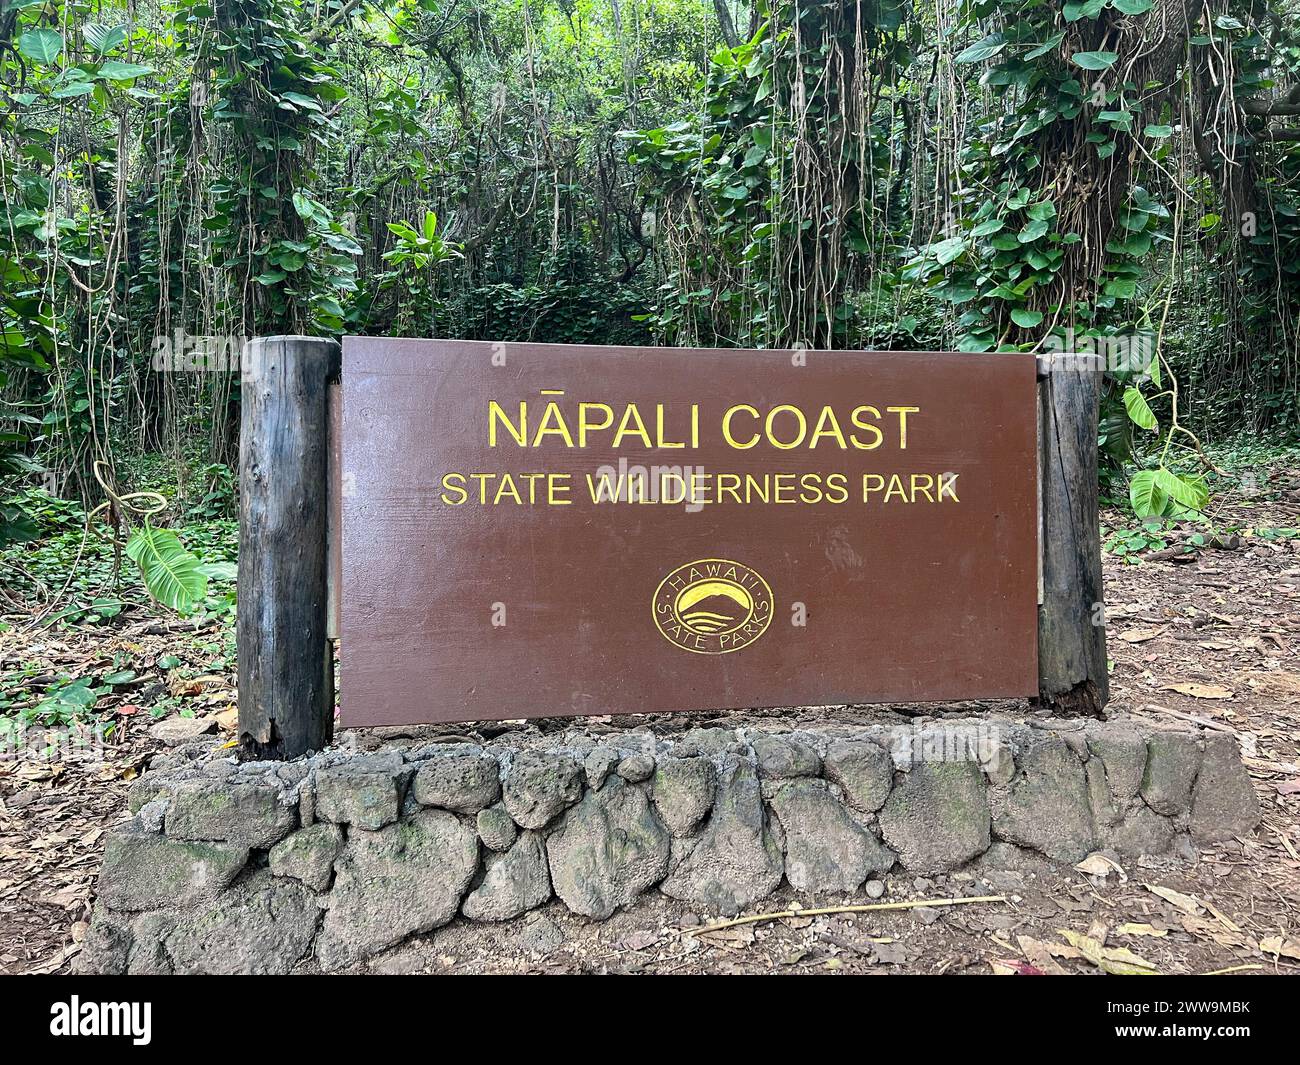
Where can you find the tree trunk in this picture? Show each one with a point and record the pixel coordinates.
(1071, 618)
(286, 668)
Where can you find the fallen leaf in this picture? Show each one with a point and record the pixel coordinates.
(728, 938)
(1184, 902)
(1138, 929)
(228, 720)
(1200, 691)
(1276, 945)
(1118, 961)
(1097, 864)
(1199, 926)
(638, 940)
(1141, 635)
(1039, 955)
(1277, 682)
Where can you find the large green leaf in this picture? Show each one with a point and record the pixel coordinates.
(947, 251)
(985, 49)
(103, 38)
(171, 574)
(1191, 492)
(1138, 409)
(41, 46)
(1148, 498)
(1094, 60)
(115, 70)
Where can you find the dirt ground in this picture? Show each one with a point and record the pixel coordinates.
(1213, 637)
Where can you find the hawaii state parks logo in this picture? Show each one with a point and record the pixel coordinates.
(712, 606)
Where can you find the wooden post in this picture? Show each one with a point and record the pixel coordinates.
(1071, 621)
(286, 668)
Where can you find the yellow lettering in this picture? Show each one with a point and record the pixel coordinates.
(631, 414)
(560, 428)
(495, 414)
(726, 426)
(659, 429)
(585, 425)
(902, 413)
(874, 430)
(828, 415)
(454, 482)
(771, 417)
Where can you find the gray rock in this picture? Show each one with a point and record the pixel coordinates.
(864, 770)
(710, 740)
(496, 828)
(365, 791)
(1046, 806)
(607, 850)
(250, 815)
(824, 849)
(996, 759)
(145, 789)
(540, 935)
(1138, 832)
(105, 948)
(782, 757)
(1075, 739)
(153, 814)
(405, 878)
(149, 955)
(636, 768)
(174, 731)
(463, 783)
(683, 790)
(874, 889)
(539, 786)
(937, 817)
(143, 871)
(1105, 810)
(1124, 823)
(515, 882)
(598, 764)
(1007, 857)
(308, 855)
(1173, 760)
(262, 926)
(307, 803)
(1224, 803)
(738, 858)
(1122, 753)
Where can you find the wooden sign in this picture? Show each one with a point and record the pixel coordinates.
(534, 530)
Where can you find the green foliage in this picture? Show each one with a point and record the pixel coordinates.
(996, 174)
(768, 239)
(173, 576)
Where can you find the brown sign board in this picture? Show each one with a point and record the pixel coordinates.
(534, 530)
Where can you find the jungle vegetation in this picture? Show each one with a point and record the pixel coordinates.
(965, 174)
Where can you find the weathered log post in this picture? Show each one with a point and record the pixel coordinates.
(286, 669)
(1071, 619)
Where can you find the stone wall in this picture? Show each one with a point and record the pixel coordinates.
(268, 867)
